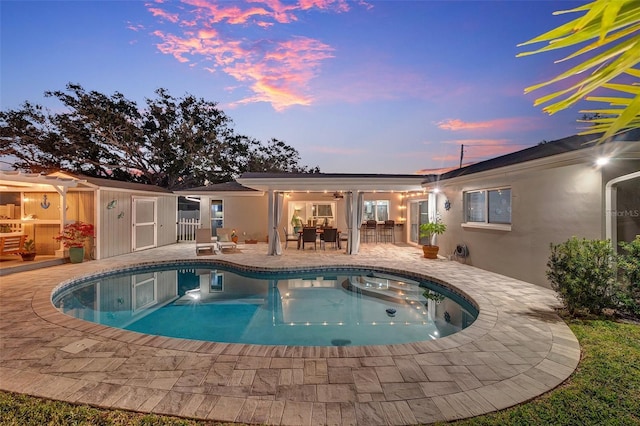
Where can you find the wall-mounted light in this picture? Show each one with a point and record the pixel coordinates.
(602, 161)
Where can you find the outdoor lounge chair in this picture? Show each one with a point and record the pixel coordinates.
(204, 244)
(224, 239)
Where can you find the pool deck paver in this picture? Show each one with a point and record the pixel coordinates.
(517, 349)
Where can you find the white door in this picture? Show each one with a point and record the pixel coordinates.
(145, 221)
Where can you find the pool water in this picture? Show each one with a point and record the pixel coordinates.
(327, 307)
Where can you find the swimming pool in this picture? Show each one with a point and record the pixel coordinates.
(336, 306)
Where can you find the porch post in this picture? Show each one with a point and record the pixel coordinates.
(354, 199)
(275, 212)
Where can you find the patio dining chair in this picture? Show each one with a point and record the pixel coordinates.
(310, 235)
(289, 237)
(329, 235)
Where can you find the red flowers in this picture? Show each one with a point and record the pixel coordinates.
(75, 234)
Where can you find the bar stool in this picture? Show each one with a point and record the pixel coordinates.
(371, 231)
(387, 233)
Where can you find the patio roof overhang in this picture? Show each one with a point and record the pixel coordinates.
(331, 182)
(19, 181)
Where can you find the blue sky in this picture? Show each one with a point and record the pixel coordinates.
(355, 87)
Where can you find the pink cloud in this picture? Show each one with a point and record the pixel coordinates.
(171, 17)
(500, 124)
(275, 71)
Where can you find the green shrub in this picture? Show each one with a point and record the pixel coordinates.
(584, 275)
(629, 270)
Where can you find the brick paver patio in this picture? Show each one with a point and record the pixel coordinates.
(517, 349)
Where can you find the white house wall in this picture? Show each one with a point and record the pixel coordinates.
(167, 218)
(548, 206)
(115, 223)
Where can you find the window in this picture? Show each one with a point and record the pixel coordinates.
(322, 212)
(492, 206)
(217, 215)
(376, 210)
(312, 213)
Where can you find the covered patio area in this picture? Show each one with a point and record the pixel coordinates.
(517, 349)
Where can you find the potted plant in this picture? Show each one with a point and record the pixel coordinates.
(73, 237)
(429, 231)
(234, 236)
(28, 250)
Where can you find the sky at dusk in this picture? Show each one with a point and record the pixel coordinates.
(355, 87)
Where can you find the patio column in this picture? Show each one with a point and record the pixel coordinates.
(276, 201)
(62, 192)
(354, 208)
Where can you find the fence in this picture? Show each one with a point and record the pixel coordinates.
(187, 229)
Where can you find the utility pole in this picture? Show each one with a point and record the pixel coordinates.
(461, 154)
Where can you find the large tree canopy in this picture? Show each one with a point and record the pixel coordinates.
(172, 142)
(607, 35)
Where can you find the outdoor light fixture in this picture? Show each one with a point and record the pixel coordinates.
(602, 161)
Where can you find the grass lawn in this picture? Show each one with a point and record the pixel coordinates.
(604, 390)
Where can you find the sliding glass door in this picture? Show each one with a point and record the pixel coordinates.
(418, 214)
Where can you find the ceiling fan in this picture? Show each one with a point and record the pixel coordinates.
(337, 195)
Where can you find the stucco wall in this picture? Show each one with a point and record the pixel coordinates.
(548, 206)
(247, 215)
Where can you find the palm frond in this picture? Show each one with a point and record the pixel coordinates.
(609, 31)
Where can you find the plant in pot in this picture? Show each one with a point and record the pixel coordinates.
(73, 237)
(429, 231)
(28, 250)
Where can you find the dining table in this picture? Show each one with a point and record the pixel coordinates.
(319, 232)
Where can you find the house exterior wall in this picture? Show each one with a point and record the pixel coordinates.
(549, 205)
(46, 223)
(115, 224)
(248, 216)
(167, 218)
(397, 208)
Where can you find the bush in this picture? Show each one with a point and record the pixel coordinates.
(584, 275)
(629, 270)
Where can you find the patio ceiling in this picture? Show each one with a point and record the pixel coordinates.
(321, 182)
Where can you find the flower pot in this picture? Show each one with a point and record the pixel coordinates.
(76, 254)
(28, 256)
(430, 252)
(234, 239)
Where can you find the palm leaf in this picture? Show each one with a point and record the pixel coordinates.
(608, 30)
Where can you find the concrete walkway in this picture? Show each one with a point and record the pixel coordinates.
(517, 349)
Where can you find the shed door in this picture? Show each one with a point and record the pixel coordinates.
(145, 221)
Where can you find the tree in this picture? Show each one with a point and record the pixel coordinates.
(173, 142)
(608, 35)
